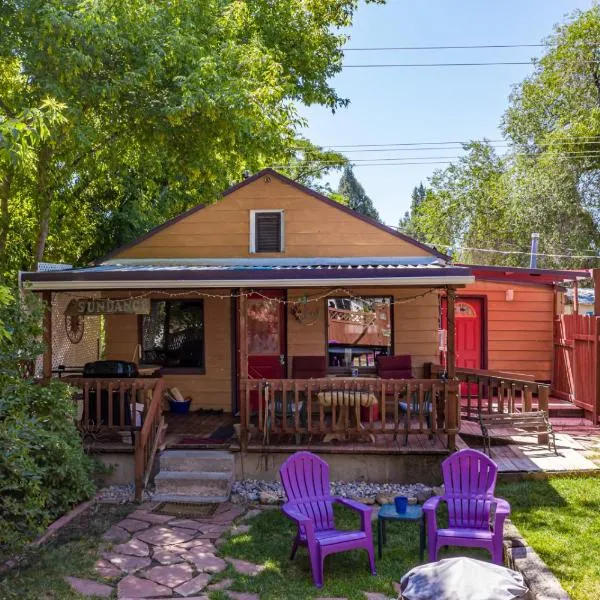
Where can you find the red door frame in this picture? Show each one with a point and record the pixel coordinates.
(484, 322)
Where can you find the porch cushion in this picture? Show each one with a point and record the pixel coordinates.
(395, 367)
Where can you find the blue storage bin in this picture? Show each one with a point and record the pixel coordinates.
(179, 407)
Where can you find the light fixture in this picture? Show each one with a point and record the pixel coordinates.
(510, 295)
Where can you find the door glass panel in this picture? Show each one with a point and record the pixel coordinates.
(463, 309)
(263, 327)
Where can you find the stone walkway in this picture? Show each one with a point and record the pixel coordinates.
(152, 556)
(157, 556)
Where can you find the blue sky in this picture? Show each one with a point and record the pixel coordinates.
(429, 104)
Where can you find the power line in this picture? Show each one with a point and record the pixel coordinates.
(449, 64)
(450, 47)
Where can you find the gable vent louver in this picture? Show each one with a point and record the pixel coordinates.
(267, 232)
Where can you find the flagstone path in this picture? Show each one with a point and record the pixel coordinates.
(158, 556)
(148, 556)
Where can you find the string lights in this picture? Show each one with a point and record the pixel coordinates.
(304, 299)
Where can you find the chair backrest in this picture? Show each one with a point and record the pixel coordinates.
(305, 479)
(469, 482)
(309, 367)
(394, 367)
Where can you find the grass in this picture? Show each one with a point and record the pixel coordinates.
(560, 519)
(72, 552)
(346, 575)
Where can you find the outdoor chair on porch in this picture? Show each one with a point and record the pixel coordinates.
(303, 367)
(400, 367)
(475, 516)
(305, 479)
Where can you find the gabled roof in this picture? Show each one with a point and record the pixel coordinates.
(272, 173)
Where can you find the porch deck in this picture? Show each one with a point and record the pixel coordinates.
(522, 455)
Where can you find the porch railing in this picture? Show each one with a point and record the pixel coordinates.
(133, 405)
(339, 407)
(484, 391)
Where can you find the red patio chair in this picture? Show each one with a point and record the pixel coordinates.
(305, 479)
(469, 480)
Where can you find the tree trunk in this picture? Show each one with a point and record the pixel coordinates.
(44, 202)
(5, 185)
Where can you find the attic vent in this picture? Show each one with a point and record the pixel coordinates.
(266, 231)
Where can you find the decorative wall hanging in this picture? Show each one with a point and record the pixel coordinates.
(74, 327)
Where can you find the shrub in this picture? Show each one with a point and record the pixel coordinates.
(43, 468)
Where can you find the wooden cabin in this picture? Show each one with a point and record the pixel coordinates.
(291, 316)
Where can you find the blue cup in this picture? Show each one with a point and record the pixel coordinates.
(401, 503)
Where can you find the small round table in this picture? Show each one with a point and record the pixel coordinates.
(387, 512)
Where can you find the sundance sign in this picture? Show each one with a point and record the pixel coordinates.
(109, 306)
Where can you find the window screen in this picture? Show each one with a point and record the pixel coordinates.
(267, 232)
(173, 334)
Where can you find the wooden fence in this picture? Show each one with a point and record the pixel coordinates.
(576, 375)
(343, 407)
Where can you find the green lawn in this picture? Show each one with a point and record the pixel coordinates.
(560, 518)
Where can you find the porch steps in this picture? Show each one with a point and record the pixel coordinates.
(194, 476)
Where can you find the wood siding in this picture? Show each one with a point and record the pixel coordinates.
(209, 390)
(519, 332)
(312, 228)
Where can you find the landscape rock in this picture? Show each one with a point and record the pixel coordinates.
(205, 562)
(106, 569)
(166, 556)
(89, 588)
(133, 525)
(165, 536)
(220, 585)
(129, 564)
(170, 575)
(269, 498)
(193, 586)
(133, 548)
(116, 534)
(134, 587)
(424, 495)
(244, 567)
(364, 500)
(382, 499)
(149, 517)
(240, 529)
(438, 490)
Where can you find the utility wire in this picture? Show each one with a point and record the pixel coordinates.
(451, 47)
(449, 64)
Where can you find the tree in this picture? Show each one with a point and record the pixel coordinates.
(158, 106)
(416, 199)
(350, 188)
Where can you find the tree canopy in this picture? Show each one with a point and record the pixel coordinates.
(354, 196)
(115, 116)
(548, 180)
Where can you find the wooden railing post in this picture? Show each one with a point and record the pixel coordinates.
(451, 393)
(139, 468)
(47, 335)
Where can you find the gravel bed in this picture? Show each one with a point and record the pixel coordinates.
(120, 494)
(253, 490)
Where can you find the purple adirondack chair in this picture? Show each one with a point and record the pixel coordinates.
(469, 480)
(305, 478)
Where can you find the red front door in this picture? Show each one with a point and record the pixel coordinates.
(265, 322)
(469, 346)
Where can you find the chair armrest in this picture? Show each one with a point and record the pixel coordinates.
(353, 505)
(430, 505)
(300, 519)
(364, 510)
(502, 511)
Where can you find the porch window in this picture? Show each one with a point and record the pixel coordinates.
(358, 330)
(173, 334)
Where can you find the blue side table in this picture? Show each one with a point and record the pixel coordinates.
(414, 512)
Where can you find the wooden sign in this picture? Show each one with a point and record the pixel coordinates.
(109, 306)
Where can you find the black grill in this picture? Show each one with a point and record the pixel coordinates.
(110, 368)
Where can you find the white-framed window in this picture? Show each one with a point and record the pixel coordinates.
(266, 231)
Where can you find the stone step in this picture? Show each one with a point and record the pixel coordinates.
(191, 483)
(197, 461)
(182, 498)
